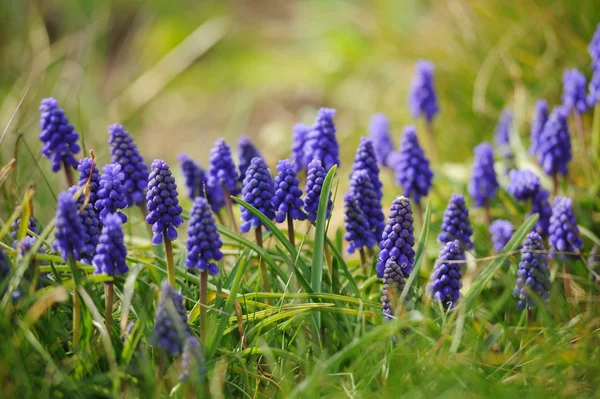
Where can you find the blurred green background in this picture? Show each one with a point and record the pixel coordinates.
(179, 74)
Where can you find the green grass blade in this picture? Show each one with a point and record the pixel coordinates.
(420, 254)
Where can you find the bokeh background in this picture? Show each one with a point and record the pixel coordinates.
(179, 74)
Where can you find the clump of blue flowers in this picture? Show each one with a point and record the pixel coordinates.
(258, 190)
(358, 230)
(412, 167)
(573, 97)
(111, 251)
(555, 144)
(563, 230)
(90, 224)
(58, 136)
(445, 281)
(88, 171)
(423, 98)
(247, 152)
(483, 183)
(171, 327)
(203, 243)
(163, 203)
(314, 185)
(397, 240)
(288, 196)
(112, 192)
(537, 125)
(379, 132)
(533, 276)
(222, 171)
(300, 133)
(321, 142)
(69, 231)
(456, 224)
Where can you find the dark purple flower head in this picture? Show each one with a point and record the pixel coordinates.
(593, 96)
(298, 142)
(222, 171)
(358, 230)
(288, 196)
(193, 367)
(111, 195)
(555, 143)
(111, 252)
(564, 233)
(366, 161)
(58, 136)
(379, 132)
(194, 175)
(90, 226)
(368, 201)
(203, 243)
(69, 231)
(501, 231)
(321, 142)
(594, 46)
(124, 151)
(423, 98)
(483, 183)
(397, 240)
(394, 279)
(412, 167)
(445, 281)
(456, 224)
(315, 177)
(16, 225)
(171, 327)
(88, 167)
(537, 125)
(163, 204)
(258, 190)
(541, 205)
(247, 152)
(502, 133)
(523, 184)
(533, 276)
(573, 97)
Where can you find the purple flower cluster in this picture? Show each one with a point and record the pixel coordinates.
(483, 183)
(502, 138)
(379, 132)
(298, 142)
(163, 204)
(445, 281)
(193, 367)
(247, 152)
(222, 171)
(69, 231)
(58, 136)
(524, 185)
(90, 224)
(288, 196)
(314, 184)
(320, 142)
(394, 279)
(422, 97)
(555, 144)
(203, 243)
(112, 192)
(397, 240)
(501, 231)
(88, 167)
(171, 327)
(412, 167)
(258, 190)
(367, 200)
(563, 230)
(111, 251)
(594, 86)
(194, 176)
(456, 224)
(533, 276)
(573, 97)
(124, 152)
(358, 230)
(540, 118)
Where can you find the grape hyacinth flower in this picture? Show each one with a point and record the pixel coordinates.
(69, 231)
(258, 190)
(423, 98)
(59, 138)
(247, 152)
(501, 232)
(368, 201)
(4, 266)
(397, 240)
(412, 167)
(194, 175)
(90, 224)
(288, 197)
(111, 195)
(573, 97)
(193, 367)
(366, 161)
(163, 203)
(321, 142)
(456, 224)
(524, 185)
(300, 133)
(171, 327)
(379, 132)
(594, 86)
(124, 151)
(537, 125)
(222, 171)
(111, 251)
(88, 171)
(358, 231)
(394, 280)
(555, 145)
(564, 233)
(445, 281)
(203, 243)
(314, 184)
(502, 138)
(483, 183)
(533, 276)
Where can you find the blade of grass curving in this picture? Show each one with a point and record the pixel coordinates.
(420, 254)
(6, 169)
(128, 288)
(488, 272)
(41, 170)
(589, 234)
(342, 264)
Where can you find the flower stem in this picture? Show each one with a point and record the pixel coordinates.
(580, 133)
(69, 174)
(488, 213)
(76, 304)
(363, 258)
(203, 294)
(229, 205)
(261, 264)
(328, 258)
(555, 184)
(170, 261)
(109, 294)
(290, 223)
(431, 139)
(596, 131)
